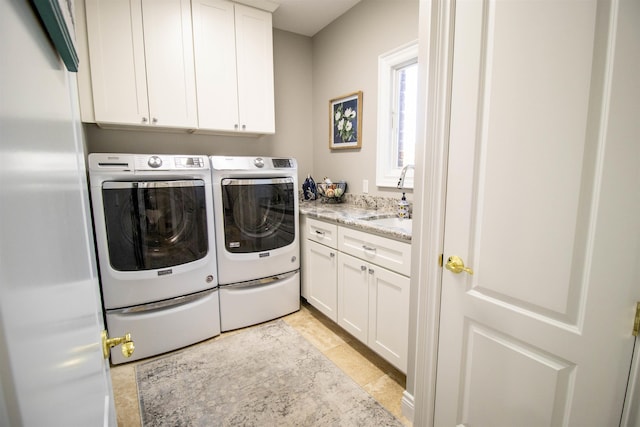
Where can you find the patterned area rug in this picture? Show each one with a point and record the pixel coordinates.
(265, 376)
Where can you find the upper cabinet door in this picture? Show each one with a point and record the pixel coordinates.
(215, 56)
(234, 67)
(254, 50)
(169, 59)
(116, 53)
(141, 55)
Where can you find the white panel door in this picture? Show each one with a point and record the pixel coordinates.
(215, 55)
(52, 371)
(254, 50)
(322, 273)
(353, 296)
(168, 42)
(542, 203)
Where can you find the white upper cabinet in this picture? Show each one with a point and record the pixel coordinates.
(234, 67)
(142, 66)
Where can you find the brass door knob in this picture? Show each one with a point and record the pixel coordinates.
(456, 265)
(127, 344)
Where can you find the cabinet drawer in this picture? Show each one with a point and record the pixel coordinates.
(322, 232)
(388, 253)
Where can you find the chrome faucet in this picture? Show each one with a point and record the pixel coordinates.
(402, 175)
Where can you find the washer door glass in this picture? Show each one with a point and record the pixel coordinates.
(259, 214)
(155, 224)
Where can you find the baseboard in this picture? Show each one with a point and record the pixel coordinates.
(407, 405)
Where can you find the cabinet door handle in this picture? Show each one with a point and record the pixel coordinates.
(332, 255)
(371, 271)
(144, 120)
(154, 120)
(363, 267)
(368, 248)
(244, 127)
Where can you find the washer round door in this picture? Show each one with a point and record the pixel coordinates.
(259, 214)
(155, 224)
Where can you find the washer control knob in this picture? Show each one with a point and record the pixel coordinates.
(259, 162)
(155, 162)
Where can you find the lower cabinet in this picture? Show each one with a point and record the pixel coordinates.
(360, 281)
(373, 306)
(322, 279)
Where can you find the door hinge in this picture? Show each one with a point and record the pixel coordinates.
(440, 260)
(636, 321)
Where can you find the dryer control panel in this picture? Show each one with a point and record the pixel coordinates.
(258, 164)
(283, 163)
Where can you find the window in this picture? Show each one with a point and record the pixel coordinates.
(397, 103)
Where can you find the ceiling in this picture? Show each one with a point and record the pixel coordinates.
(307, 17)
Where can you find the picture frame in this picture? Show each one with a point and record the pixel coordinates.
(57, 17)
(345, 121)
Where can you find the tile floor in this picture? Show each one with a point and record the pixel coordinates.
(379, 378)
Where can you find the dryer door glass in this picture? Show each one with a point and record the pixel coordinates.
(155, 224)
(259, 214)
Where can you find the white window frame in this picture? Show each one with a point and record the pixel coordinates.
(387, 174)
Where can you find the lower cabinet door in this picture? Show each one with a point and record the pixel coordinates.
(389, 315)
(322, 277)
(353, 295)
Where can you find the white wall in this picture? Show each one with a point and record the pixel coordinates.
(345, 60)
(293, 87)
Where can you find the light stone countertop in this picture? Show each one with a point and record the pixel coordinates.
(354, 217)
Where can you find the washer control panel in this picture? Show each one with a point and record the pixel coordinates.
(172, 162)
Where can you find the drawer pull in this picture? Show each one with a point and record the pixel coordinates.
(368, 248)
(320, 233)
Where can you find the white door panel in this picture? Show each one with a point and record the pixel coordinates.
(388, 315)
(323, 270)
(353, 296)
(116, 52)
(254, 50)
(532, 167)
(542, 169)
(215, 57)
(498, 369)
(168, 41)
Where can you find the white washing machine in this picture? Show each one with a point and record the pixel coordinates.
(256, 215)
(155, 238)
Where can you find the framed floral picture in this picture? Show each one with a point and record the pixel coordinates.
(345, 121)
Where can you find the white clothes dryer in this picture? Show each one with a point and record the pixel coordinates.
(256, 215)
(155, 238)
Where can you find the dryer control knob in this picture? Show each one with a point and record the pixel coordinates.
(259, 162)
(155, 162)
